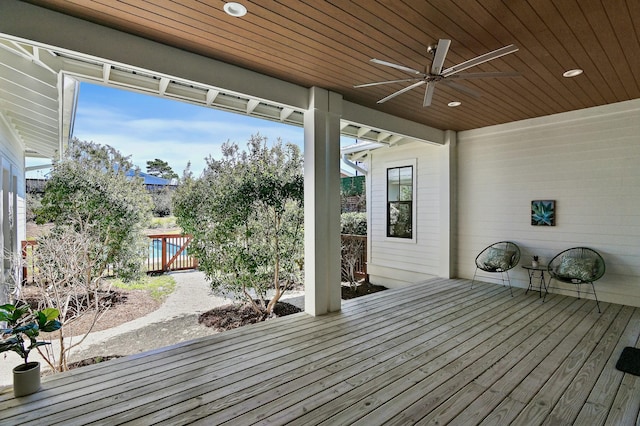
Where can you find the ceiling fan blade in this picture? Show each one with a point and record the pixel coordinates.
(404, 80)
(461, 88)
(441, 53)
(472, 75)
(396, 66)
(401, 91)
(480, 60)
(428, 93)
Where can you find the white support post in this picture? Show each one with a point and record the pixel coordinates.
(322, 202)
(447, 204)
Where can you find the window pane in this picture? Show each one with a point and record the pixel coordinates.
(393, 184)
(406, 175)
(400, 202)
(393, 174)
(406, 184)
(406, 192)
(400, 220)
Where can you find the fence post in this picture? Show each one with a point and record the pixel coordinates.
(24, 262)
(164, 254)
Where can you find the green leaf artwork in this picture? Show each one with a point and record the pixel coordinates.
(543, 212)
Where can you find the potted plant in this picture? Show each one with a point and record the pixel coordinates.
(534, 262)
(22, 328)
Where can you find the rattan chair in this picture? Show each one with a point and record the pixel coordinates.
(578, 265)
(498, 258)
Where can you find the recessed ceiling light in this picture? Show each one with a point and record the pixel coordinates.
(454, 104)
(235, 9)
(572, 73)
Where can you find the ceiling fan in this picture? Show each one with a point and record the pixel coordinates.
(436, 74)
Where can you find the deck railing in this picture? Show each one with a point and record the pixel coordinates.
(167, 252)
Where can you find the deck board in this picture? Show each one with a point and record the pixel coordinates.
(435, 353)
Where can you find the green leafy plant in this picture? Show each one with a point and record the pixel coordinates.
(353, 223)
(95, 190)
(24, 326)
(246, 216)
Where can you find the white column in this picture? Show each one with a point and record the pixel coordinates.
(322, 202)
(447, 204)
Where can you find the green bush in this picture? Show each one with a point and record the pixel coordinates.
(245, 213)
(353, 223)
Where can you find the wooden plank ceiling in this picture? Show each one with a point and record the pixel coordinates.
(329, 44)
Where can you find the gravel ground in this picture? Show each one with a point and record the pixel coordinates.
(175, 321)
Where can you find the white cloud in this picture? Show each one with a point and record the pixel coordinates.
(177, 141)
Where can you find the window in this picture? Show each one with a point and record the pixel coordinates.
(400, 202)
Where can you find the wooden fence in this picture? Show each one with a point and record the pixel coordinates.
(167, 252)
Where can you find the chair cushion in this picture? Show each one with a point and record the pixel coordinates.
(577, 268)
(498, 259)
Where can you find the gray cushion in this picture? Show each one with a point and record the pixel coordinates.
(577, 268)
(498, 259)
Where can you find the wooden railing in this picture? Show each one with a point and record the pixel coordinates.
(361, 263)
(167, 252)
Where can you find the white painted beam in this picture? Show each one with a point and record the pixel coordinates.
(395, 139)
(363, 131)
(286, 113)
(50, 28)
(106, 73)
(382, 136)
(383, 122)
(448, 185)
(252, 105)
(211, 96)
(322, 202)
(162, 87)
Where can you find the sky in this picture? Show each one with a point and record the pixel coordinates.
(148, 127)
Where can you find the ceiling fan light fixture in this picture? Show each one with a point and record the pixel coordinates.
(454, 104)
(235, 9)
(435, 74)
(572, 73)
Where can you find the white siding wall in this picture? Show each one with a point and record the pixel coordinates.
(11, 180)
(588, 161)
(394, 261)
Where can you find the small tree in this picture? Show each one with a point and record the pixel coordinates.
(353, 225)
(161, 168)
(161, 199)
(99, 215)
(89, 189)
(245, 214)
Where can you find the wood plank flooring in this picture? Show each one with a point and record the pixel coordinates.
(435, 353)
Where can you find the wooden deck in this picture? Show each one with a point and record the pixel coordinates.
(435, 353)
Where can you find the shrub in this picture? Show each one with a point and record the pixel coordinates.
(246, 216)
(353, 223)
